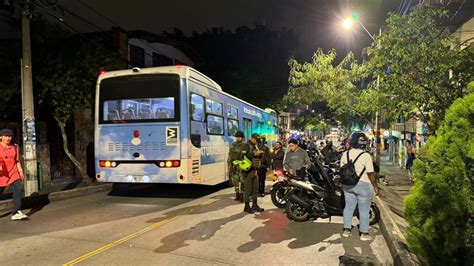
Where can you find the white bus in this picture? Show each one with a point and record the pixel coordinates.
(169, 125)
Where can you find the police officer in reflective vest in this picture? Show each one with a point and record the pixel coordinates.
(251, 179)
(235, 174)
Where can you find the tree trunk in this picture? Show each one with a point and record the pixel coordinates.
(85, 178)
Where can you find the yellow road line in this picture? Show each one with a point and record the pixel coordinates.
(120, 241)
(126, 238)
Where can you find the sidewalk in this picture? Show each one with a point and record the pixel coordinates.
(392, 195)
(58, 189)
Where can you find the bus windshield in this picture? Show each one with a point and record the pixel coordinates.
(139, 98)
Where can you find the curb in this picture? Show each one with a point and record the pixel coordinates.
(56, 196)
(391, 233)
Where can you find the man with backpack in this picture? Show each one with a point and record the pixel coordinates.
(359, 184)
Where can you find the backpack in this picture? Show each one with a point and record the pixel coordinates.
(348, 172)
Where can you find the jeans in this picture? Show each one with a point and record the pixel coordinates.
(16, 186)
(359, 195)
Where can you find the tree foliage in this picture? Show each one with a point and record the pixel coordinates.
(67, 75)
(420, 63)
(440, 208)
(337, 84)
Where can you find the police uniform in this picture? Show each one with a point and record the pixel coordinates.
(236, 175)
(251, 179)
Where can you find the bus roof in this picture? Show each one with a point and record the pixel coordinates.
(183, 72)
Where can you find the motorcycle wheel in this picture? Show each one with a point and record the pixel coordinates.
(374, 214)
(295, 212)
(278, 196)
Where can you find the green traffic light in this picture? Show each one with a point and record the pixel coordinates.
(355, 16)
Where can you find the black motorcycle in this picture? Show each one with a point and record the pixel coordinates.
(322, 197)
(280, 188)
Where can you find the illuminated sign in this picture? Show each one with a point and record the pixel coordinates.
(252, 112)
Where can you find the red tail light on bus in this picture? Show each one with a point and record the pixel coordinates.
(107, 164)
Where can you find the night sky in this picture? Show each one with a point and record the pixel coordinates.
(316, 22)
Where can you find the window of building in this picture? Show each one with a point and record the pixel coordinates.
(161, 60)
(137, 56)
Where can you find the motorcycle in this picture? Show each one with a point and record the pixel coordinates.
(281, 188)
(283, 185)
(320, 199)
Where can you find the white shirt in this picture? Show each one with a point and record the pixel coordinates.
(365, 160)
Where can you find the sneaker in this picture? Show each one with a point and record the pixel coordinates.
(18, 216)
(22, 214)
(346, 233)
(365, 237)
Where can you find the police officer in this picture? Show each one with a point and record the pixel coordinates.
(251, 151)
(235, 174)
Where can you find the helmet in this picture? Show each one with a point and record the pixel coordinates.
(329, 142)
(255, 136)
(358, 140)
(239, 134)
(243, 164)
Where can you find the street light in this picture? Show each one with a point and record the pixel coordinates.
(348, 24)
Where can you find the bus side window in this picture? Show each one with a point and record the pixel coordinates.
(197, 108)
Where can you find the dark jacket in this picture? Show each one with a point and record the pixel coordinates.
(277, 159)
(266, 159)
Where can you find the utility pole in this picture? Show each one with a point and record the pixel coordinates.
(28, 113)
(377, 126)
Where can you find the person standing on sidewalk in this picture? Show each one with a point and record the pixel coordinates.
(359, 195)
(265, 161)
(411, 156)
(251, 151)
(277, 158)
(11, 171)
(236, 175)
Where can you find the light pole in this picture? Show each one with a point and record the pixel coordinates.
(348, 24)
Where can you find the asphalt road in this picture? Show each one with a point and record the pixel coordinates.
(177, 225)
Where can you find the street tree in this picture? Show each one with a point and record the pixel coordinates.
(68, 82)
(339, 85)
(421, 64)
